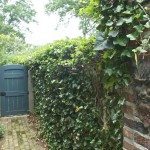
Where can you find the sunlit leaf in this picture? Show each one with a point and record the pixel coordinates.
(131, 37)
(113, 33)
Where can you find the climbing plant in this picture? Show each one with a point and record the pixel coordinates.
(123, 35)
(122, 25)
(78, 86)
(67, 89)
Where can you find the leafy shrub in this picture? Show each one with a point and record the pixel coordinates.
(72, 112)
(76, 91)
(2, 131)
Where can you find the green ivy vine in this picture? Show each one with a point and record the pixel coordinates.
(122, 26)
(123, 35)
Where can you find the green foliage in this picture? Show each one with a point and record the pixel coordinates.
(10, 46)
(122, 32)
(78, 91)
(9, 30)
(2, 131)
(122, 25)
(67, 89)
(119, 17)
(14, 16)
(76, 8)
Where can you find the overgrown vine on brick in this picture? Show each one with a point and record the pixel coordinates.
(123, 36)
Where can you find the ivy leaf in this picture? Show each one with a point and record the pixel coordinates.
(139, 1)
(139, 49)
(109, 55)
(109, 71)
(102, 43)
(113, 33)
(139, 28)
(120, 22)
(119, 8)
(109, 23)
(127, 12)
(121, 41)
(110, 83)
(128, 20)
(147, 25)
(126, 53)
(100, 36)
(146, 16)
(132, 37)
(143, 51)
(99, 45)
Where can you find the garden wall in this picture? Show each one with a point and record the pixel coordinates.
(136, 129)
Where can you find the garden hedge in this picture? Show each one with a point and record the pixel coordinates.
(65, 78)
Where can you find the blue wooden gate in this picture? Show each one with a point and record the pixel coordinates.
(13, 90)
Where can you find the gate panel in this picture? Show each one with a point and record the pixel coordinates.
(14, 85)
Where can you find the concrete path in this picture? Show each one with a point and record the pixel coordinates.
(19, 135)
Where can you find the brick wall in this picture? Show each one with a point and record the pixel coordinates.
(136, 132)
(136, 129)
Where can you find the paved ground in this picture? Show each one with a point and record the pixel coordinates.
(19, 135)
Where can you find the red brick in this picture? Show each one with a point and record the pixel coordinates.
(127, 145)
(131, 98)
(129, 94)
(142, 140)
(128, 109)
(144, 114)
(128, 134)
(135, 125)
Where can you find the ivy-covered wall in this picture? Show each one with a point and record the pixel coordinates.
(68, 95)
